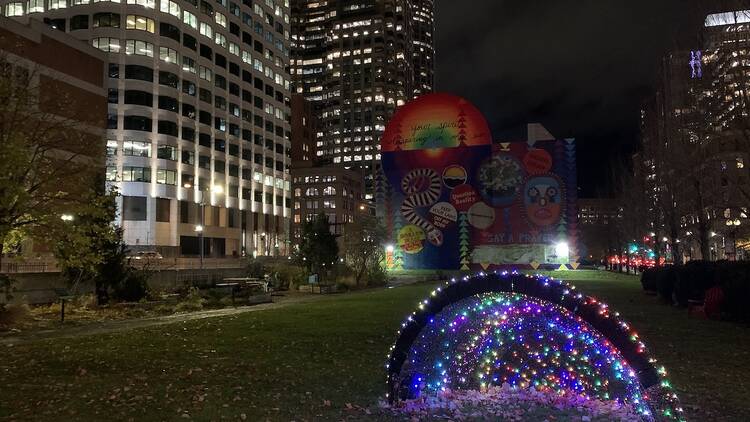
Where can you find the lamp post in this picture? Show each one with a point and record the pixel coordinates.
(199, 230)
(734, 225)
(217, 189)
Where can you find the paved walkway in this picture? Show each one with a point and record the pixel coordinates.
(129, 324)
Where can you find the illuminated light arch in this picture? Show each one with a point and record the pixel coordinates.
(526, 331)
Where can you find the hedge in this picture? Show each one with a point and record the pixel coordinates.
(679, 284)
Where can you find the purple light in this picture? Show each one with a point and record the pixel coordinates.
(696, 64)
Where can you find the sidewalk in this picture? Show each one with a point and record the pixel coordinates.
(10, 339)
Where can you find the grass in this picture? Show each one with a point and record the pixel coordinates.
(320, 361)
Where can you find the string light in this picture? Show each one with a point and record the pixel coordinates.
(526, 332)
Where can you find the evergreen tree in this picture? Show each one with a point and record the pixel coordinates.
(318, 249)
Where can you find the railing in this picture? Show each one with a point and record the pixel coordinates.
(187, 263)
(11, 267)
(28, 267)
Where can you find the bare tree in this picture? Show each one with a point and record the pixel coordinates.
(364, 245)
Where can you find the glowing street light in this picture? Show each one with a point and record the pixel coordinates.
(66, 217)
(562, 249)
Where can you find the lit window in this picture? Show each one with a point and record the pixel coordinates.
(145, 3)
(188, 64)
(14, 9)
(34, 6)
(56, 4)
(234, 49)
(139, 48)
(107, 44)
(221, 40)
(206, 30)
(246, 57)
(204, 73)
(111, 173)
(166, 177)
(220, 19)
(190, 19)
(168, 6)
(168, 55)
(140, 23)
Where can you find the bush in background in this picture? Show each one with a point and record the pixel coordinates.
(14, 314)
(193, 302)
(680, 284)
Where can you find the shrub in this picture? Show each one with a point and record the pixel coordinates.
(254, 268)
(13, 315)
(693, 280)
(84, 302)
(680, 284)
(377, 276)
(734, 279)
(284, 275)
(342, 287)
(6, 290)
(133, 288)
(649, 277)
(193, 302)
(665, 284)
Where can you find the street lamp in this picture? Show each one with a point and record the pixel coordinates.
(199, 230)
(734, 225)
(217, 189)
(66, 217)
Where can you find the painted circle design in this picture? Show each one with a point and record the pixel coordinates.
(454, 176)
(411, 239)
(422, 188)
(481, 216)
(501, 177)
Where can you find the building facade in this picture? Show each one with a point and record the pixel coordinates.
(333, 191)
(356, 62)
(198, 137)
(304, 129)
(59, 85)
(696, 146)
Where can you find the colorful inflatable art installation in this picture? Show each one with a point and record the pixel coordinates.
(452, 199)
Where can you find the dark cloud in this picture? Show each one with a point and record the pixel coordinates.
(580, 67)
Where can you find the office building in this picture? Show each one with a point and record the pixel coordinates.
(695, 137)
(198, 132)
(333, 191)
(356, 62)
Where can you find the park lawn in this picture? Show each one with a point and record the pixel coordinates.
(315, 360)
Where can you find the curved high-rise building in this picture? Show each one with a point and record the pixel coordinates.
(356, 61)
(199, 138)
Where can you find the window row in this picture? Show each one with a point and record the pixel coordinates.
(169, 177)
(146, 73)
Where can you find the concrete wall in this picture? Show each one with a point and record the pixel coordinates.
(38, 288)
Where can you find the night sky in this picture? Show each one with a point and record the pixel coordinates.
(579, 67)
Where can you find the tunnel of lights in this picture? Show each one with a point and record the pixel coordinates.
(526, 332)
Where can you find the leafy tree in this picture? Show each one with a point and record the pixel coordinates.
(364, 247)
(47, 155)
(318, 247)
(90, 248)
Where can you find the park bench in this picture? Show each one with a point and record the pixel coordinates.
(236, 285)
